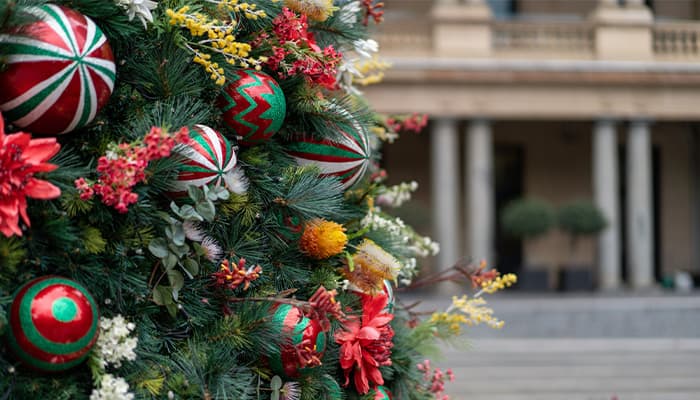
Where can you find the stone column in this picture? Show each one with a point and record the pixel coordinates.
(480, 190)
(445, 190)
(605, 192)
(640, 229)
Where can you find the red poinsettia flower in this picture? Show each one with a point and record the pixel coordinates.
(366, 345)
(20, 158)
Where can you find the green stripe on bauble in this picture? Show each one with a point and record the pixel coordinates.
(53, 323)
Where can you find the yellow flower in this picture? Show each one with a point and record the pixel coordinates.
(317, 10)
(371, 265)
(323, 239)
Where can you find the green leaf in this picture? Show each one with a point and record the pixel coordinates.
(170, 261)
(275, 385)
(191, 267)
(162, 295)
(195, 193)
(207, 210)
(158, 247)
(177, 281)
(178, 234)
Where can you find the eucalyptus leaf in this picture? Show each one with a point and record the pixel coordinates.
(178, 234)
(170, 261)
(158, 247)
(162, 295)
(191, 266)
(195, 193)
(276, 383)
(206, 210)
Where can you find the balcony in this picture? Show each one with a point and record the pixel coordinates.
(469, 31)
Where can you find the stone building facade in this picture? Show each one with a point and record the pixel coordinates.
(559, 100)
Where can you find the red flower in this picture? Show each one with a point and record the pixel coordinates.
(20, 158)
(366, 346)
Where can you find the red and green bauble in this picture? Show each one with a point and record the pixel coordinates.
(347, 158)
(208, 160)
(253, 106)
(389, 290)
(380, 393)
(53, 323)
(60, 72)
(288, 322)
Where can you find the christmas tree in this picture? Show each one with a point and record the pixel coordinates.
(192, 206)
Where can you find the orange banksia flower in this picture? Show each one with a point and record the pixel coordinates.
(323, 239)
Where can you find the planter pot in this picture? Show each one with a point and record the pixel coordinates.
(533, 280)
(576, 279)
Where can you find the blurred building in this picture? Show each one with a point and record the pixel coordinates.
(558, 100)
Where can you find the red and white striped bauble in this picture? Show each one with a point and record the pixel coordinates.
(347, 158)
(208, 159)
(60, 72)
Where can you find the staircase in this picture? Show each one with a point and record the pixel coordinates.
(593, 347)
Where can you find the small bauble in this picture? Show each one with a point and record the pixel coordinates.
(253, 106)
(389, 290)
(208, 160)
(380, 393)
(60, 72)
(53, 323)
(347, 159)
(305, 333)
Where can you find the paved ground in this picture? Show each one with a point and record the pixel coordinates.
(583, 347)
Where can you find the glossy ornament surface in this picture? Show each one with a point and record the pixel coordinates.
(59, 74)
(208, 160)
(347, 158)
(53, 323)
(380, 393)
(289, 321)
(253, 106)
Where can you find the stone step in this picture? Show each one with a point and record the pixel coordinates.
(576, 369)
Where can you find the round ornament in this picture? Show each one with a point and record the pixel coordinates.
(59, 74)
(305, 333)
(53, 323)
(347, 159)
(208, 159)
(389, 290)
(380, 393)
(253, 106)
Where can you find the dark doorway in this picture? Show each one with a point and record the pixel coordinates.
(509, 176)
(655, 214)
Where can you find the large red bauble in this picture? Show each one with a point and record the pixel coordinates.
(253, 106)
(53, 323)
(60, 72)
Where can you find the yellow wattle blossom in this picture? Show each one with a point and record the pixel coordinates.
(316, 10)
(371, 71)
(216, 36)
(466, 311)
(499, 283)
(370, 266)
(323, 239)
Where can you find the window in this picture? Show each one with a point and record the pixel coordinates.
(503, 9)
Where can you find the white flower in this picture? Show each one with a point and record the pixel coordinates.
(348, 14)
(138, 8)
(212, 250)
(366, 48)
(193, 231)
(114, 344)
(112, 388)
(236, 181)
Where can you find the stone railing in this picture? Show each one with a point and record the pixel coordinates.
(557, 39)
(461, 33)
(676, 40)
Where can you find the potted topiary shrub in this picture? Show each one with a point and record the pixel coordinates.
(528, 218)
(578, 219)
